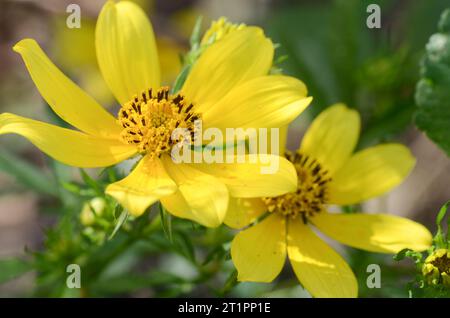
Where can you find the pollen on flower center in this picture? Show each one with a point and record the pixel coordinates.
(149, 119)
(436, 268)
(442, 264)
(311, 194)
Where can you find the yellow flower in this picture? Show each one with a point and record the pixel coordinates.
(328, 173)
(228, 86)
(436, 268)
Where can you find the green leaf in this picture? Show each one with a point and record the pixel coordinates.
(120, 221)
(433, 89)
(166, 222)
(181, 78)
(13, 268)
(406, 252)
(134, 282)
(230, 283)
(91, 183)
(27, 174)
(184, 246)
(196, 33)
(217, 253)
(402, 254)
(439, 238)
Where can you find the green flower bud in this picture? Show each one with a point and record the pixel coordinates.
(92, 209)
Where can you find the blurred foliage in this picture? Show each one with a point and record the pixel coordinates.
(331, 49)
(127, 262)
(433, 90)
(12, 268)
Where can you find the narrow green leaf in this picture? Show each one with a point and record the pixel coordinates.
(440, 238)
(196, 33)
(166, 222)
(120, 221)
(183, 245)
(13, 268)
(218, 252)
(27, 174)
(91, 182)
(181, 78)
(230, 283)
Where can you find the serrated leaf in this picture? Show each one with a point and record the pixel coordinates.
(433, 89)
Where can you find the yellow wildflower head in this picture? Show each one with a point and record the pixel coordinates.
(149, 119)
(228, 86)
(436, 268)
(312, 189)
(329, 173)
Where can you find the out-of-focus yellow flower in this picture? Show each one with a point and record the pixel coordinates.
(169, 59)
(92, 209)
(328, 173)
(436, 268)
(184, 20)
(74, 51)
(230, 77)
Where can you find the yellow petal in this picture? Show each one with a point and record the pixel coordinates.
(68, 146)
(322, 271)
(380, 233)
(145, 185)
(370, 173)
(176, 205)
(237, 58)
(241, 212)
(260, 175)
(66, 99)
(205, 197)
(266, 101)
(259, 252)
(126, 50)
(332, 137)
(274, 145)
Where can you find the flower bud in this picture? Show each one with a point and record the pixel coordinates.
(92, 209)
(436, 268)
